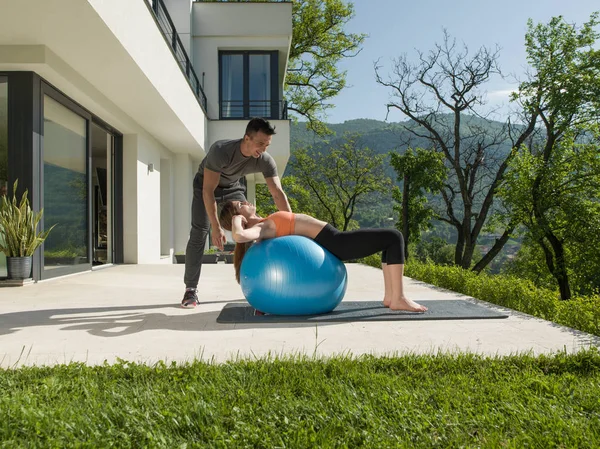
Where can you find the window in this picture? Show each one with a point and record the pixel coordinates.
(248, 85)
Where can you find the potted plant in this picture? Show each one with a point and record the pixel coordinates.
(179, 257)
(20, 236)
(210, 256)
(228, 252)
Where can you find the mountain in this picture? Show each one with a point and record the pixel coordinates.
(380, 136)
(383, 137)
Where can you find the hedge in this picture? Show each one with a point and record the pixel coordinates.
(582, 313)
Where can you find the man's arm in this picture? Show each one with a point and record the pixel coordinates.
(279, 196)
(211, 181)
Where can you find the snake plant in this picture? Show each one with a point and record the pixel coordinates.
(18, 226)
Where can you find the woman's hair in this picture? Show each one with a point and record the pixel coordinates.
(226, 215)
(225, 218)
(238, 256)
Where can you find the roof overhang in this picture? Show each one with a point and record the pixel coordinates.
(110, 57)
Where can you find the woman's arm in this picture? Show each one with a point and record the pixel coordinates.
(241, 235)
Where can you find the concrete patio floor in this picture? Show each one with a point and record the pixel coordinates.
(132, 312)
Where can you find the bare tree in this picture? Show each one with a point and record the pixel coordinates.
(442, 95)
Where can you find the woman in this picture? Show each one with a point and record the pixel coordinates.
(240, 218)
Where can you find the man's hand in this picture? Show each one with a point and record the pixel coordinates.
(218, 237)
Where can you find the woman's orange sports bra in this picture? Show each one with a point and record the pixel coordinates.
(285, 222)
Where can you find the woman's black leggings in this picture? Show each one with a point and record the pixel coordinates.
(347, 245)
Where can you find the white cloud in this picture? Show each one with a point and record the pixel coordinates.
(500, 93)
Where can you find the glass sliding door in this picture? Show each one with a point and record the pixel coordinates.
(65, 190)
(3, 153)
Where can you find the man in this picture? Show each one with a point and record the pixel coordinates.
(219, 180)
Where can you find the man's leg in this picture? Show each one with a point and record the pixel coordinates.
(195, 247)
(197, 241)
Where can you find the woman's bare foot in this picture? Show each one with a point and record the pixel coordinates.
(407, 304)
(386, 301)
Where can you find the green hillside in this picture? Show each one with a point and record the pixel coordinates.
(383, 137)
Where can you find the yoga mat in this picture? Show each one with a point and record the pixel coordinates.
(365, 311)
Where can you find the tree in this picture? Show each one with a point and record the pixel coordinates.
(555, 195)
(340, 179)
(319, 43)
(557, 201)
(443, 97)
(300, 199)
(555, 183)
(529, 263)
(421, 171)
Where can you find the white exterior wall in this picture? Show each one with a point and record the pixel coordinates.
(242, 19)
(184, 170)
(111, 58)
(237, 26)
(119, 68)
(167, 228)
(135, 29)
(241, 26)
(150, 200)
(130, 204)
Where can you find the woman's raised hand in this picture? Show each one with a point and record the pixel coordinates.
(241, 221)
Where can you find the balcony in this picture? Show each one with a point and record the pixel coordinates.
(244, 110)
(163, 19)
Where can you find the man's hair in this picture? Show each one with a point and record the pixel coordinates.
(259, 124)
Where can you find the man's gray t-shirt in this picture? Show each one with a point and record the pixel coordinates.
(225, 157)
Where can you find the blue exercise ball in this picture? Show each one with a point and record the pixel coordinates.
(292, 275)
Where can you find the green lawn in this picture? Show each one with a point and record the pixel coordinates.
(410, 401)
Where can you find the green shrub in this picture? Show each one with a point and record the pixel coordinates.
(64, 252)
(373, 260)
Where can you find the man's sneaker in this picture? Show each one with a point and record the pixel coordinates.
(190, 299)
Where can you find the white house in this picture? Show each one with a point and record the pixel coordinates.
(107, 108)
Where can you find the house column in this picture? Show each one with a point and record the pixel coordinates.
(130, 203)
(184, 170)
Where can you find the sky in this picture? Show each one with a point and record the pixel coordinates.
(397, 27)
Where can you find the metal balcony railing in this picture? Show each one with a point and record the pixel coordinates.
(168, 29)
(239, 109)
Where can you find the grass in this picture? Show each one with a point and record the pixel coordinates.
(426, 401)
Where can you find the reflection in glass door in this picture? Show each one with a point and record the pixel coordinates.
(259, 83)
(65, 189)
(3, 152)
(232, 86)
(102, 195)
